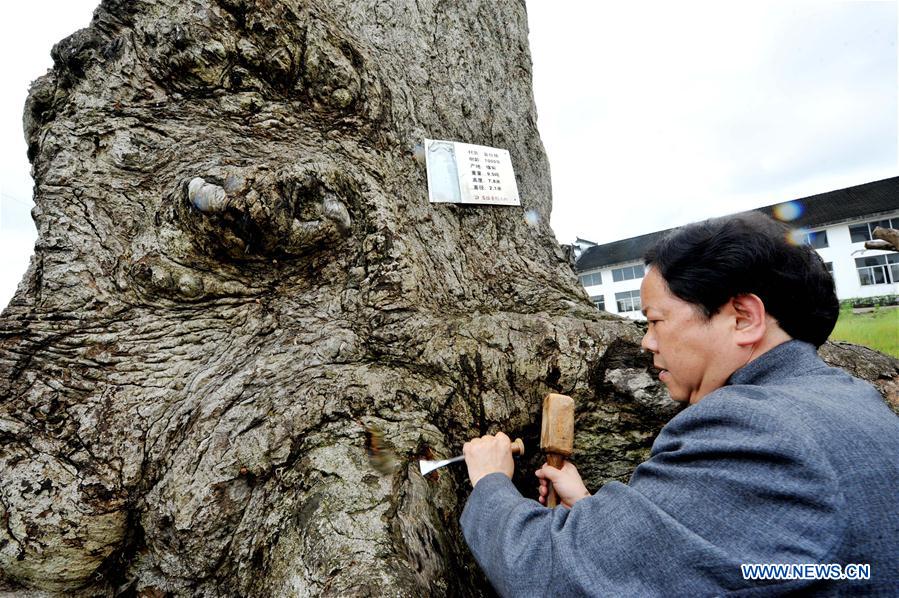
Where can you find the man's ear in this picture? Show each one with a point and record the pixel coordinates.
(750, 319)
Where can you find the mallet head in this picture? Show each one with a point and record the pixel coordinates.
(557, 427)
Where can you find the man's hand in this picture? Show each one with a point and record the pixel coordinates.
(566, 481)
(488, 454)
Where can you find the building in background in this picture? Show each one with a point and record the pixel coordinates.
(580, 246)
(836, 224)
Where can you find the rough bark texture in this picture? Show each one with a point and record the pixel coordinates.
(222, 386)
(884, 238)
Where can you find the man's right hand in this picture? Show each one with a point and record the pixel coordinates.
(566, 481)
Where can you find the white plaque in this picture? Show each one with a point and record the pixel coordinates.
(466, 173)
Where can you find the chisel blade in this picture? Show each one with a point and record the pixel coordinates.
(429, 466)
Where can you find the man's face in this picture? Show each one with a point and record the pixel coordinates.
(692, 352)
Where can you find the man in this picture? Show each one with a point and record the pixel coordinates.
(778, 458)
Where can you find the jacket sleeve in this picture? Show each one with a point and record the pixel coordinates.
(729, 482)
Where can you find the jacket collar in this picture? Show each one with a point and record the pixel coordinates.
(783, 361)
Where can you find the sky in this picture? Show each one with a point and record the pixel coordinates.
(656, 114)
(653, 113)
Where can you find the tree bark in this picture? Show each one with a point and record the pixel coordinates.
(884, 238)
(243, 323)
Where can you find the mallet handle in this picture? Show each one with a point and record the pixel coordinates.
(552, 499)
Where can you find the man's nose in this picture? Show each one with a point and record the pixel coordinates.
(649, 343)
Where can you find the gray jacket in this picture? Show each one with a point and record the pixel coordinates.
(791, 462)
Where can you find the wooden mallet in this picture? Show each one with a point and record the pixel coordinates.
(556, 435)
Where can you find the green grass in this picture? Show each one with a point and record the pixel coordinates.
(878, 329)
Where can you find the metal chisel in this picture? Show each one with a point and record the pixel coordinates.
(429, 466)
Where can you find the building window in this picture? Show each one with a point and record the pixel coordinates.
(860, 233)
(878, 269)
(817, 240)
(589, 280)
(599, 301)
(628, 301)
(627, 273)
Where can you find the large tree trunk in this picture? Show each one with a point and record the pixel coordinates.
(233, 400)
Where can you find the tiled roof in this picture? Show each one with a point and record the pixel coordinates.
(856, 202)
(860, 201)
(625, 250)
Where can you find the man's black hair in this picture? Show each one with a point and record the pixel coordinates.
(708, 263)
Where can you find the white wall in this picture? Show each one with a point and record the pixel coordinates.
(608, 288)
(842, 253)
